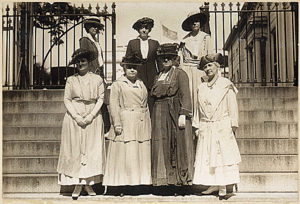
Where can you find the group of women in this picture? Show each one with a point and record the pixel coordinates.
(169, 95)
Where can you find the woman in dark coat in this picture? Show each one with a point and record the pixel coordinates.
(145, 47)
(92, 26)
(89, 42)
(171, 122)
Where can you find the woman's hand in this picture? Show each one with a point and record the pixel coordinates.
(197, 132)
(181, 121)
(89, 118)
(80, 120)
(118, 130)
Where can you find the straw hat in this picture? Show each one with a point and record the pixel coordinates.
(95, 21)
(191, 16)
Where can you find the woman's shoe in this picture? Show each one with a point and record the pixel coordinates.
(77, 191)
(89, 190)
(210, 190)
(222, 190)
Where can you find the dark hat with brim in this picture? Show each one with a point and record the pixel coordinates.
(132, 60)
(83, 53)
(168, 49)
(216, 57)
(94, 21)
(186, 25)
(147, 22)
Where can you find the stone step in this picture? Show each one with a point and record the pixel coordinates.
(33, 95)
(269, 164)
(268, 129)
(148, 197)
(249, 164)
(30, 148)
(268, 146)
(249, 182)
(34, 107)
(261, 116)
(55, 119)
(246, 146)
(268, 182)
(33, 119)
(255, 131)
(32, 133)
(267, 92)
(245, 104)
(250, 104)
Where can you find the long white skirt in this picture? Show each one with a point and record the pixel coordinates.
(206, 175)
(128, 163)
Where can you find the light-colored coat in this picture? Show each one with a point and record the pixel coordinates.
(129, 109)
(216, 114)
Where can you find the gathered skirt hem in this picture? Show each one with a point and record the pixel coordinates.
(67, 180)
(128, 163)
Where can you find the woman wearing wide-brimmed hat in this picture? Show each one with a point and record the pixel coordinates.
(92, 26)
(216, 120)
(82, 150)
(193, 46)
(145, 47)
(128, 156)
(171, 121)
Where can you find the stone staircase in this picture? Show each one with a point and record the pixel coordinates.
(267, 138)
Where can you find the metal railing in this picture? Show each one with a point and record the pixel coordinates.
(259, 42)
(41, 38)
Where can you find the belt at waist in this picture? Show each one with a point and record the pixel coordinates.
(85, 101)
(215, 120)
(143, 110)
(166, 99)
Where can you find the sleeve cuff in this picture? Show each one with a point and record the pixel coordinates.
(234, 123)
(185, 112)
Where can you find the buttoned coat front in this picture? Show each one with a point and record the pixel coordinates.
(129, 110)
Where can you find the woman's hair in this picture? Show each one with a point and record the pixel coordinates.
(87, 27)
(217, 64)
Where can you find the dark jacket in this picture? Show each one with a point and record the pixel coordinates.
(87, 44)
(148, 70)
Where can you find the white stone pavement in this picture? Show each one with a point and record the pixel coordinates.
(235, 197)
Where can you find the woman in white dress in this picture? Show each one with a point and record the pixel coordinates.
(82, 150)
(216, 120)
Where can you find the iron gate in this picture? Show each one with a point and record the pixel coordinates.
(259, 42)
(43, 38)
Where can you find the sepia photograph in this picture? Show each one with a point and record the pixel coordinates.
(150, 101)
